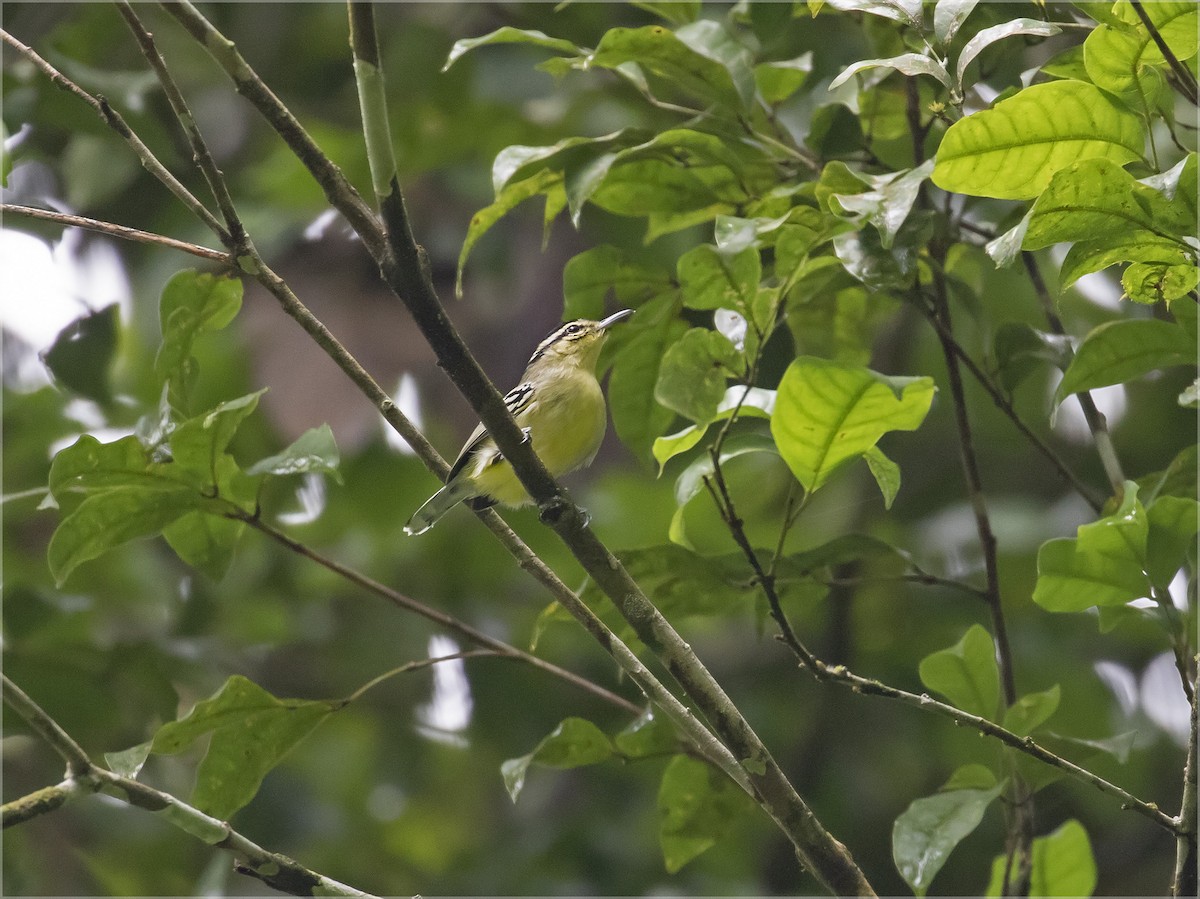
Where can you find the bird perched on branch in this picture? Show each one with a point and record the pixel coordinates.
(560, 407)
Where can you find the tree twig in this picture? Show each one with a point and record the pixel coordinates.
(114, 230)
(442, 619)
(113, 119)
(275, 870)
(1183, 881)
(1187, 82)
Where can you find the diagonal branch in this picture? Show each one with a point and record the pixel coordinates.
(275, 870)
(114, 230)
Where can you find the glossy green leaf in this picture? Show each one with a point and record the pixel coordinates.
(251, 732)
(76, 468)
(886, 474)
(927, 832)
(668, 196)
(839, 324)
(756, 402)
(907, 12)
(128, 762)
(696, 807)
(989, 36)
(1102, 566)
(1012, 150)
(1063, 864)
(966, 673)
(648, 735)
(694, 372)
(780, 79)
(509, 35)
(637, 417)
(192, 302)
(828, 414)
(948, 17)
(1031, 711)
(906, 63)
(106, 519)
(1158, 282)
(888, 205)
(574, 743)
(313, 451)
(701, 59)
(970, 777)
(1173, 522)
(590, 276)
(82, 354)
(1134, 245)
(198, 443)
(1021, 349)
(1177, 479)
(508, 199)
(711, 279)
(1121, 351)
(691, 480)
(1096, 199)
(1113, 59)
(205, 541)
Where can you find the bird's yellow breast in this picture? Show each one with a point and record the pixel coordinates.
(566, 422)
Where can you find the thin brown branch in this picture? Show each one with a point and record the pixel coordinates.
(449, 622)
(113, 119)
(235, 233)
(1183, 76)
(1183, 880)
(114, 230)
(78, 763)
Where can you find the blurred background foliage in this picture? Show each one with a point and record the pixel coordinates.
(386, 795)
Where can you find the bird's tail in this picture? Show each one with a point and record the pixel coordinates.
(437, 506)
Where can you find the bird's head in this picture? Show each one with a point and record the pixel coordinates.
(577, 342)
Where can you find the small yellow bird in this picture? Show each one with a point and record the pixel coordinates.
(560, 407)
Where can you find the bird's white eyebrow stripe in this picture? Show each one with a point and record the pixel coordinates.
(561, 332)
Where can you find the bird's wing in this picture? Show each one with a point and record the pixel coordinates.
(517, 400)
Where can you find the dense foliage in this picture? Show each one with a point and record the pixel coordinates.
(906, 447)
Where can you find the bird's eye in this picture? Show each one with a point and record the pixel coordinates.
(574, 329)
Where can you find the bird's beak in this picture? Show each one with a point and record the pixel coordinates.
(614, 318)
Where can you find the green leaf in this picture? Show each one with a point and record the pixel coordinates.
(696, 807)
(1176, 23)
(192, 302)
(887, 206)
(694, 372)
(198, 444)
(779, 80)
(989, 36)
(711, 279)
(1096, 199)
(691, 480)
(907, 12)
(828, 414)
(838, 324)
(1157, 282)
(910, 64)
(1063, 864)
(509, 35)
(1113, 59)
(314, 450)
(589, 276)
(637, 418)
(927, 832)
(1103, 566)
(251, 732)
(948, 17)
(650, 734)
(513, 195)
(75, 468)
(106, 519)
(1177, 479)
(886, 474)
(1122, 350)
(756, 402)
(1133, 245)
(970, 777)
(205, 541)
(128, 762)
(1021, 349)
(574, 743)
(1031, 711)
(82, 354)
(884, 268)
(671, 197)
(966, 673)
(1013, 150)
(701, 59)
(1173, 522)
